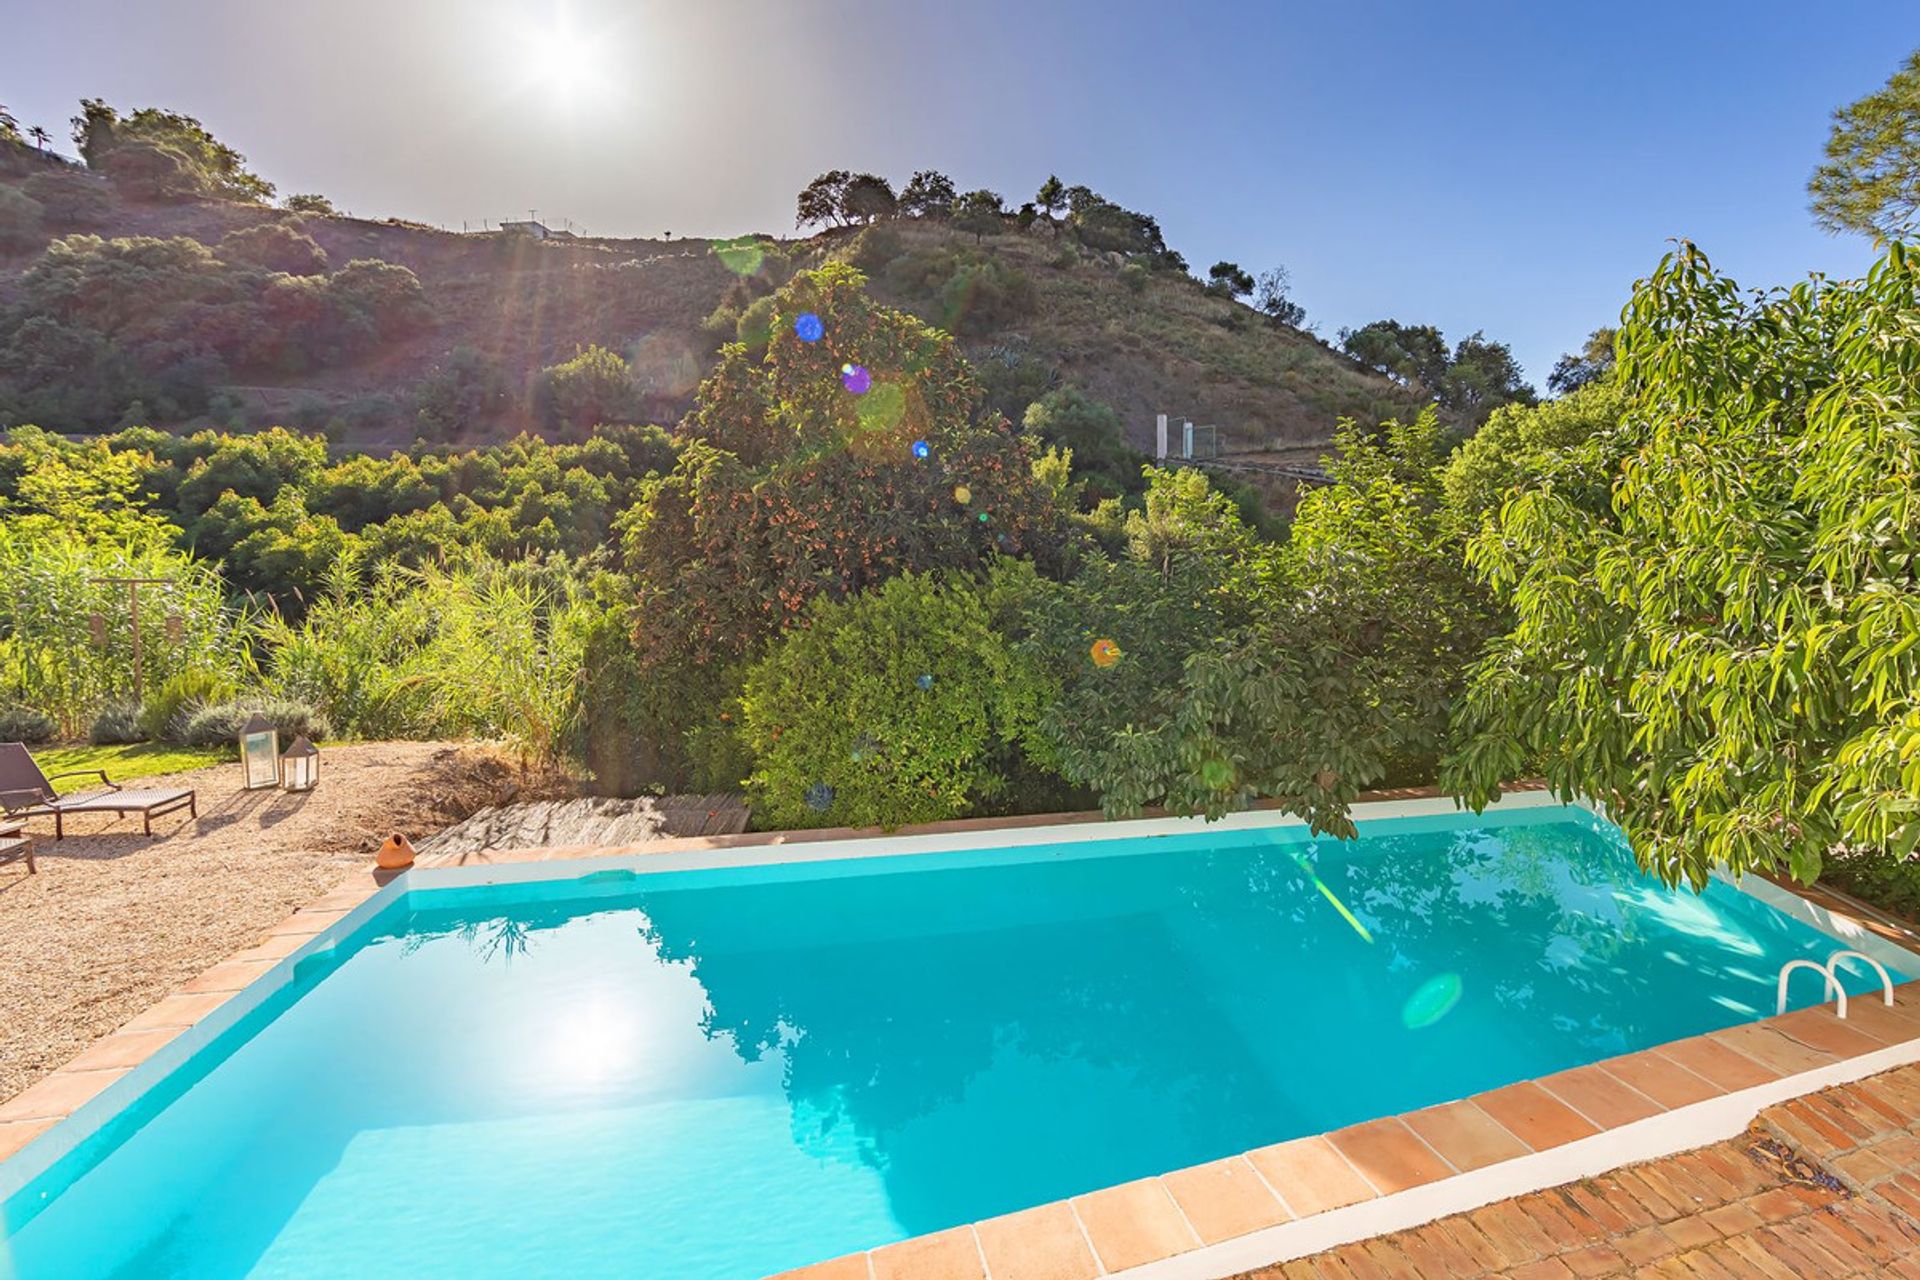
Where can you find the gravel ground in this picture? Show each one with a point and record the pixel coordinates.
(114, 921)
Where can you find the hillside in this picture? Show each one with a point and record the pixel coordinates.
(1028, 305)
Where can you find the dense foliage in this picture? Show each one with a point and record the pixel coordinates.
(1870, 180)
(1729, 656)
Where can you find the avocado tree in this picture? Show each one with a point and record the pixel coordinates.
(1727, 656)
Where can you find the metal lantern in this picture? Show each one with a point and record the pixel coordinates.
(260, 752)
(300, 766)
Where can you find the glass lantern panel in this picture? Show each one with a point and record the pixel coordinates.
(256, 752)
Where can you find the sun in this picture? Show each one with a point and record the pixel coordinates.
(558, 56)
(557, 59)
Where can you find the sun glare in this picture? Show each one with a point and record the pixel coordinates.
(558, 60)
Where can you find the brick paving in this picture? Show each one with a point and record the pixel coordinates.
(1824, 1186)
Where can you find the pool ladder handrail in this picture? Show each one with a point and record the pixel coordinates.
(1830, 971)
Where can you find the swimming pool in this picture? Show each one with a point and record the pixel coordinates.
(727, 1072)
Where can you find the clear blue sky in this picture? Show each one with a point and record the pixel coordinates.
(1512, 167)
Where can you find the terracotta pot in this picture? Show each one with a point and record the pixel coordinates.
(396, 852)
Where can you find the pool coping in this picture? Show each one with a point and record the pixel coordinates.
(1200, 1223)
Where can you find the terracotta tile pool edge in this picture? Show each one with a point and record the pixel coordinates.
(1669, 1131)
(100, 1081)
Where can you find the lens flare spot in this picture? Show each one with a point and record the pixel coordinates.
(962, 494)
(983, 517)
(925, 682)
(741, 255)
(855, 378)
(807, 327)
(921, 449)
(1104, 653)
(1433, 1001)
(819, 797)
(882, 408)
(1217, 774)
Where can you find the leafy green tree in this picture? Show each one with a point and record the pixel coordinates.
(981, 212)
(1573, 444)
(822, 202)
(868, 197)
(1413, 354)
(1591, 363)
(1870, 181)
(466, 392)
(1481, 376)
(308, 202)
(273, 246)
(899, 705)
(1068, 417)
(1052, 197)
(928, 194)
(595, 386)
(1228, 280)
(205, 165)
(792, 486)
(1727, 658)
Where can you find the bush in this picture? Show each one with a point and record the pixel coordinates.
(117, 722)
(219, 724)
(170, 707)
(19, 221)
(901, 705)
(24, 724)
(71, 198)
(595, 386)
(273, 246)
(1134, 275)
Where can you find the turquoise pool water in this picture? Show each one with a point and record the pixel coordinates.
(722, 1074)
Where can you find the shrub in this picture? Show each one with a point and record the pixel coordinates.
(170, 707)
(19, 221)
(71, 198)
(24, 724)
(219, 724)
(891, 707)
(595, 386)
(274, 246)
(117, 722)
(1135, 275)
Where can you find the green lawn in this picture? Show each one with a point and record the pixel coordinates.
(137, 760)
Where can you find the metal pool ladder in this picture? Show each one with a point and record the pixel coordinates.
(1830, 971)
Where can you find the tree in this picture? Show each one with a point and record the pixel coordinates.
(40, 136)
(1481, 376)
(1068, 417)
(868, 198)
(1227, 280)
(928, 194)
(9, 125)
(216, 168)
(1591, 363)
(1870, 181)
(1725, 657)
(1273, 299)
(308, 202)
(1413, 354)
(595, 386)
(1573, 444)
(1052, 197)
(895, 706)
(792, 487)
(980, 212)
(822, 202)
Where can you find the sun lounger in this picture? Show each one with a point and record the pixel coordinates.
(15, 843)
(26, 792)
